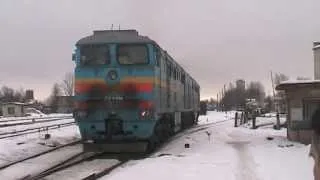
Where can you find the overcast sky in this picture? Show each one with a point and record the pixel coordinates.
(217, 41)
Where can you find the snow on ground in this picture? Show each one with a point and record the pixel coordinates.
(35, 125)
(39, 164)
(33, 115)
(32, 120)
(265, 122)
(213, 116)
(84, 169)
(228, 153)
(15, 148)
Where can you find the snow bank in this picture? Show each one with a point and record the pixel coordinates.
(22, 146)
(228, 153)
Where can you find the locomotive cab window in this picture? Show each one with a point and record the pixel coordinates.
(132, 54)
(94, 55)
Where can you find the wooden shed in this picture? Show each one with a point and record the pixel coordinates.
(13, 109)
(302, 98)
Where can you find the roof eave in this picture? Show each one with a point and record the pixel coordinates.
(286, 86)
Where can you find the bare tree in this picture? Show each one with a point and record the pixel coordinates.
(68, 84)
(54, 98)
(279, 77)
(8, 94)
(256, 91)
(303, 78)
(269, 103)
(280, 101)
(20, 95)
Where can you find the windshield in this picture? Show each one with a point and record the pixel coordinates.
(132, 54)
(95, 55)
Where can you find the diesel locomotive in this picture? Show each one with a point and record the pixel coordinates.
(130, 94)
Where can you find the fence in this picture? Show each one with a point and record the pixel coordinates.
(244, 118)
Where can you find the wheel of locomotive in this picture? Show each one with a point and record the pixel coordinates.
(151, 146)
(160, 134)
(190, 119)
(158, 131)
(197, 118)
(194, 119)
(171, 127)
(166, 129)
(153, 140)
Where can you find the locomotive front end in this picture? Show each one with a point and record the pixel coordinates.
(114, 87)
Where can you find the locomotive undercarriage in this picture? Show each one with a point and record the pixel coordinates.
(163, 130)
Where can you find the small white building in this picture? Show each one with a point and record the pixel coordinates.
(10, 109)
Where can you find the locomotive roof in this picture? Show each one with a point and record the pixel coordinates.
(114, 36)
(120, 36)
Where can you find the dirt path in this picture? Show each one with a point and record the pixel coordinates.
(246, 165)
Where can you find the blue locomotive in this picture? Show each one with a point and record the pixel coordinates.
(130, 94)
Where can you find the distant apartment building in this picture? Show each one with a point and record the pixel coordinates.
(241, 84)
(29, 95)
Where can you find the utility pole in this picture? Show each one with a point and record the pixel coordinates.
(217, 106)
(277, 109)
(272, 85)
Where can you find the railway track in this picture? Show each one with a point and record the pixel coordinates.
(73, 160)
(84, 157)
(200, 127)
(37, 155)
(191, 130)
(105, 171)
(17, 122)
(34, 130)
(37, 162)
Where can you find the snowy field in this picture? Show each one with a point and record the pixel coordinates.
(35, 125)
(228, 154)
(15, 148)
(57, 115)
(23, 146)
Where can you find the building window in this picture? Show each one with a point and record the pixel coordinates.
(309, 107)
(11, 110)
(301, 116)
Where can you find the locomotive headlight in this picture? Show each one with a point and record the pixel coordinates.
(112, 75)
(146, 114)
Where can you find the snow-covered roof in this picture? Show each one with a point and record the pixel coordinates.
(114, 36)
(30, 101)
(294, 83)
(316, 47)
(15, 103)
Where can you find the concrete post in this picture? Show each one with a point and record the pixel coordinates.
(254, 122)
(278, 121)
(235, 120)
